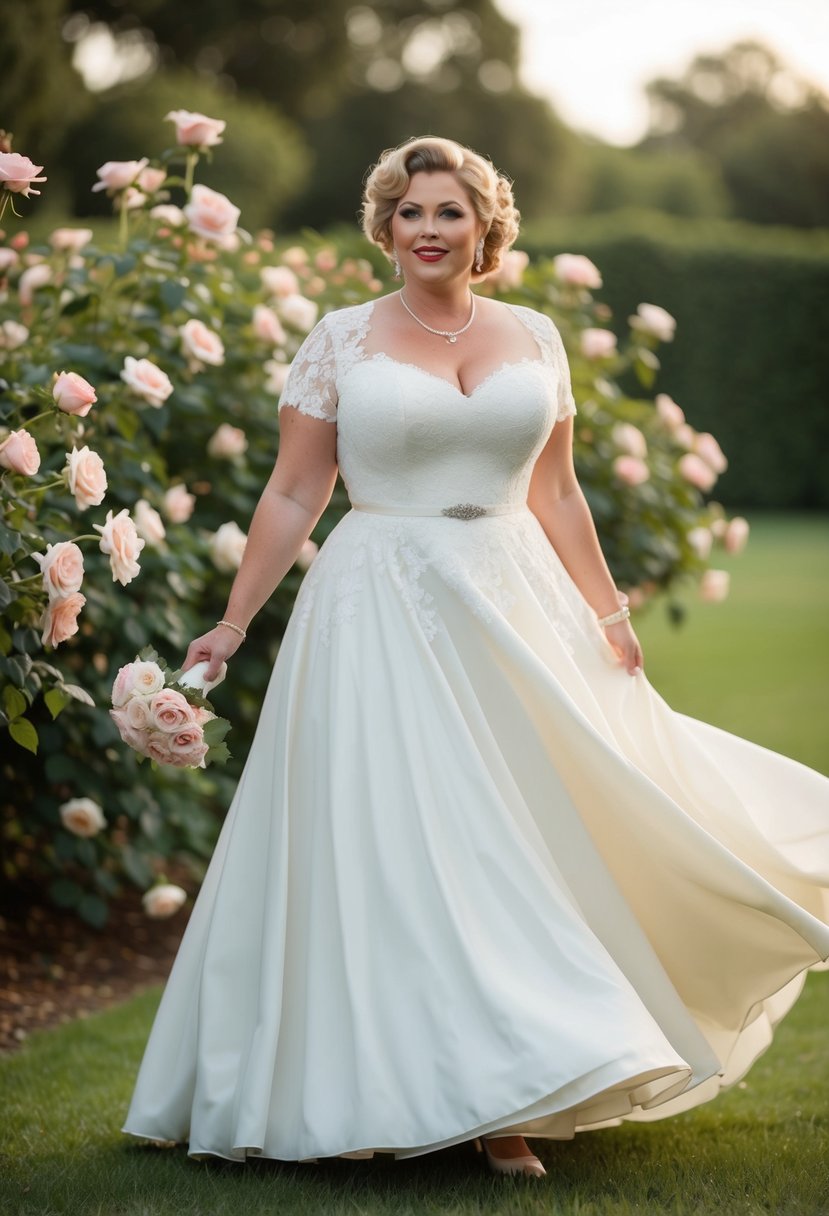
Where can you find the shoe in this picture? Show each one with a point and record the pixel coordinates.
(528, 1165)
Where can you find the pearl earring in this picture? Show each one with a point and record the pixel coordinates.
(479, 255)
(395, 261)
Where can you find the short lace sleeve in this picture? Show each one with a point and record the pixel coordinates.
(564, 389)
(311, 383)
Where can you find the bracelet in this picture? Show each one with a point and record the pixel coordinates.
(621, 615)
(230, 625)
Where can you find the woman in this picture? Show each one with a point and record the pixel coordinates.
(477, 881)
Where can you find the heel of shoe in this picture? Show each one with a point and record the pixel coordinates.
(528, 1166)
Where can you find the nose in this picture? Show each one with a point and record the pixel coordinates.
(429, 228)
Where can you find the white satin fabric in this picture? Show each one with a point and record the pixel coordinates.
(475, 877)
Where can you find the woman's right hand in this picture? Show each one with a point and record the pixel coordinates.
(215, 647)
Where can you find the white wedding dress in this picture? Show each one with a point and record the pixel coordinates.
(475, 877)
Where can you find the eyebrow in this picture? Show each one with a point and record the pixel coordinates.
(449, 202)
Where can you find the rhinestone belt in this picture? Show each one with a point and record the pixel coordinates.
(460, 510)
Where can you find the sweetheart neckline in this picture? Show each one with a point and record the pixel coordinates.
(526, 361)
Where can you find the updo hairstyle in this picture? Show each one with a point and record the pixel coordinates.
(489, 191)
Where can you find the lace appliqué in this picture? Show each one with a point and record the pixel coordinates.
(554, 355)
(330, 349)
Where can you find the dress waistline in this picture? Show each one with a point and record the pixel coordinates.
(460, 510)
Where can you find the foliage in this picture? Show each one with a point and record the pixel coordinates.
(219, 317)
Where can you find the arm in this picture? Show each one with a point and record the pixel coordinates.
(557, 500)
(291, 503)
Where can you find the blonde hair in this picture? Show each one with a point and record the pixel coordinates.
(490, 192)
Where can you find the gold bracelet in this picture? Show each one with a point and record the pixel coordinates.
(230, 625)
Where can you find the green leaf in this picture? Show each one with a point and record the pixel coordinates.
(22, 731)
(93, 910)
(65, 893)
(215, 730)
(14, 701)
(136, 866)
(77, 693)
(79, 304)
(219, 754)
(172, 293)
(55, 700)
(9, 540)
(5, 594)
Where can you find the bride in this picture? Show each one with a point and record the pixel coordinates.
(477, 881)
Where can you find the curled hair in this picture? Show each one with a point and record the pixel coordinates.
(490, 192)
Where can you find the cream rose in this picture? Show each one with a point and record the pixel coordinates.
(630, 439)
(118, 174)
(73, 394)
(146, 380)
(597, 343)
(267, 327)
(31, 279)
(121, 541)
(148, 523)
(279, 281)
(630, 470)
(157, 746)
(194, 130)
(577, 270)
(62, 568)
(82, 816)
(12, 335)
(17, 173)
(227, 441)
(701, 540)
(138, 713)
(60, 620)
(298, 312)
(70, 240)
(134, 737)
(178, 503)
(653, 320)
(19, 452)
(714, 585)
(147, 677)
(736, 534)
(706, 446)
(86, 476)
(210, 214)
(163, 900)
(170, 711)
(227, 546)
(201, 345)
(277, 373)
(296, 257)
(167, 213)
(668, 410)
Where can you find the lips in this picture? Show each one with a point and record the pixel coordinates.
(431, 253)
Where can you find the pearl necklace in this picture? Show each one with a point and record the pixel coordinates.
(451, 335)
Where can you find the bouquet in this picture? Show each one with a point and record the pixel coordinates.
(164, 714)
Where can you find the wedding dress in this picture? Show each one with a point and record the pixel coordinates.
(475, 877)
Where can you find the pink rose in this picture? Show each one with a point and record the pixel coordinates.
(598, 343)
(700, 540)
(8, 258)
(133, 198)
(685, 435)
(31, 279)
(227, 546)
(630, 470)
(653, 320)
(82, 816)
(178, 503)
(577, 270)
(148, 523)
(70, 240)
(118, 174)
(736, 534)
(277, 373)
(146, 380)
(510, 274)
(170, 711)
(151, 180)
(210, 214)
(195, 130)
(706, 446)
(267, 327)
(296, 257)
(227, 441)
(306, 555)
(18, 452)
(167, 213)
(279, 281)
(714, 585)
(12, 335)
(157, 746)
(121, 541)
(73, 394)
(668, 410)
(696, 472)
(62, 568)
(188, 748)
(630, 439)
(134, 738)
(17, 173)
(201, 345)
(60, 620)
(122, 685)
(163, 900)
(86, 476)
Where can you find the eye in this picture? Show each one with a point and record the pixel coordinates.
(452, 212)
(409, 213)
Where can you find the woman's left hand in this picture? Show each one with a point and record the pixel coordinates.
(626, 645)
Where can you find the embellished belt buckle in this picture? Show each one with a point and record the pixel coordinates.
(464, 510)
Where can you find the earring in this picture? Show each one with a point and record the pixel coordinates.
(479, 255)
(395, 261)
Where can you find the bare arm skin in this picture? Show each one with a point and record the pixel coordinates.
(295, 496)
(557, 500)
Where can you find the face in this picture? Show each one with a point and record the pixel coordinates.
(435, 229)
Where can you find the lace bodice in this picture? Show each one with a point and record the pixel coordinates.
(408, 436)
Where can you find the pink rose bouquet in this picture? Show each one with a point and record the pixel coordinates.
(162, 714)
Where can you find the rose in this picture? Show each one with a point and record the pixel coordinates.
(279, 281)
(306, 554)
(706, 446)
(299, 313)
(31, 279)
(668, 410)
(227, 441)
(70, 239)
(84, 471)
(122, 685)
(20, 240)
(653, 320)
(60, 619)
(736, 534)
(151, 180)
(140, 678)
(598, 343)
(167, 213)
(133, 737)
(685, 435)
(188, 747)
(277, 372)
(210, 214)
(510, 273)
(62, 568)
(17, 173)
(295, 256)
(178, 503)
(19, 452)
(194, 130)
(201, 345)
(73, 394)
(8, 258)
(12, 335)
(630, 439)
(576, 270)
(148, 523)
(696, 471)
(170, 711)
(630, 470)
(121, 541)
(82, 816)
(714, 585)
(133, 198)
(163, 900)
(227, 545)
(118, 174)
(700, 540)
(157, 746)
(267, 327)
(146, 380)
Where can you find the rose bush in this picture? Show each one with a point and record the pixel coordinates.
(138, 426)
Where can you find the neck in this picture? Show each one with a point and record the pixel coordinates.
(449, 302)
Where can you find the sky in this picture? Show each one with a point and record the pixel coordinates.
(591, 58)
